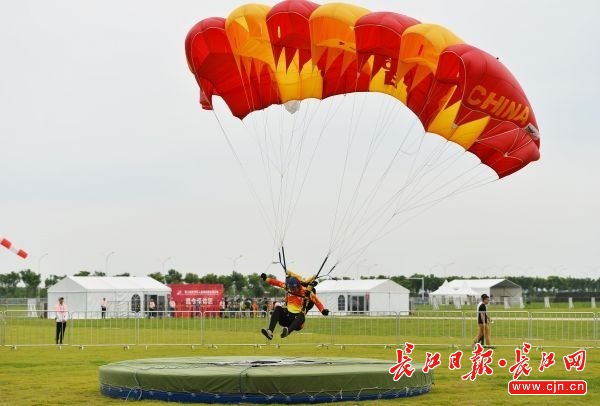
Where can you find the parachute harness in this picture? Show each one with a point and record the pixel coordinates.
(309, 284)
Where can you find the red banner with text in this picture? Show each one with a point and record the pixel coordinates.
(190, 299)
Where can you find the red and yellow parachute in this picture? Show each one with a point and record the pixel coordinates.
(260, 55)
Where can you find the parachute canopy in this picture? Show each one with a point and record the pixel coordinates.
(260, 55)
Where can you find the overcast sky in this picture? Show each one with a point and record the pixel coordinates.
(104, 148)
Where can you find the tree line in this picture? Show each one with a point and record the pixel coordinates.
(236, 284)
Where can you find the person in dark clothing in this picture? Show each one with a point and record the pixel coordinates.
(483, 322)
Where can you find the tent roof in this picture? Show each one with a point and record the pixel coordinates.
(109, 283)
(362, 285)
(478, 284)
(471, 287)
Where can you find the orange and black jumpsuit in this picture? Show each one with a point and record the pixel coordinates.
(292, 315)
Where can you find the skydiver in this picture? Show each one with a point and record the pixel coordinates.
(298, 301)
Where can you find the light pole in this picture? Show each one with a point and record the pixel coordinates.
(422, 288)
(106, 262)
(40, 270)
(235, 260)
(40, 262)
(162, 267)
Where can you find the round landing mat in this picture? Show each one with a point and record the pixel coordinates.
(258, 380)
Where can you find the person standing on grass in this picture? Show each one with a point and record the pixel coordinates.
(172, 307)
(61, 316)
(152, 308)
(103, 307)
(481, 340)
(197, 307)
(483, 322)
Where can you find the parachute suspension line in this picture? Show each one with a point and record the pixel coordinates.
(379, 214)
(409, 180)
(284, 143)
(296, 156)
(293, 157)
(415, 176)
(412, 181)
(470, 184)
(422, 207)
(273, 163)
(367, 220)
(365, 207)
(284, 168)
(311, 160)
(264, 157)
(262, 209)
(266, 163)
(419, 174)
(351, 135)
(445, 164)
(374, 141)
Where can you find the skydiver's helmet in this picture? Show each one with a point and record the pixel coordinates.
(292, 284)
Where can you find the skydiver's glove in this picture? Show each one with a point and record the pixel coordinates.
(263, 276)
(314, 283)
(325, 312)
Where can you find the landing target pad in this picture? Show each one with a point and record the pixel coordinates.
(258, 380)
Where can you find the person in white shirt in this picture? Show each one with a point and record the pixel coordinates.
(62, 315)
(103, 307)
(172, 307)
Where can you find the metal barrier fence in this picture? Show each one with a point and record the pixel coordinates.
(541, 329)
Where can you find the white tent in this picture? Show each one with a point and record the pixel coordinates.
(469, 291)
(126, 296)
(457, 292)
(365, 295)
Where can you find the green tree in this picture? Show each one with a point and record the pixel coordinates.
(403, 281)
(209, 278)
(233, 284)
(3, 283)
(9, 283)
(255, 286)
(32, 281)
(173, 277)
(157, 276)
(191, 278)
(52, 280)
(98, 273)
(239, 281)
(124, 274)
(83, 273)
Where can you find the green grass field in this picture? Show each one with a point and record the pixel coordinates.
(42, 373)
(69, 376)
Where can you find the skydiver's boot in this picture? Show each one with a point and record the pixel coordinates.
(284, 332)
(267, 333)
